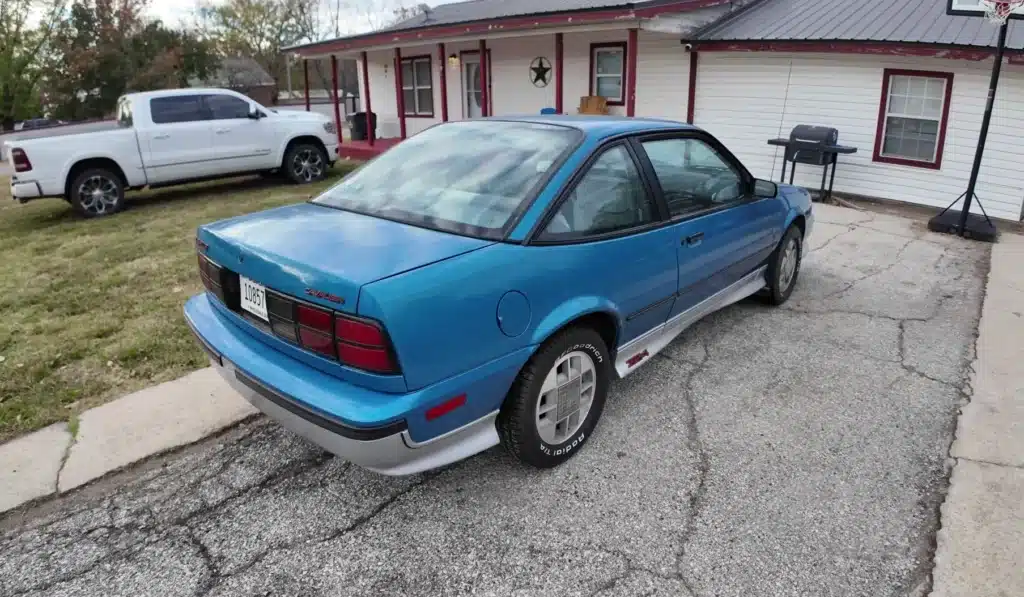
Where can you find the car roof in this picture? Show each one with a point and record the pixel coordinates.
(600, 125)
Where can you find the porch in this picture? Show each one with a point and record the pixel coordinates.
(365, 150)
(559, 63)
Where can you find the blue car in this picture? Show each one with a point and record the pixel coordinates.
(484, 281)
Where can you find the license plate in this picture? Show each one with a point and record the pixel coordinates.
(254, 298)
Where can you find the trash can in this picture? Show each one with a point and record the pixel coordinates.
(360, 129)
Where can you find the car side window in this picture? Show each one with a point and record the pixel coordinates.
(177, 108)
(610, 197)
(693, 176)
(227, 107)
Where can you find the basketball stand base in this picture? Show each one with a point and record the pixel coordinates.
(977, 227)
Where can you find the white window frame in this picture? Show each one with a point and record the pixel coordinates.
(886, 113)
(617, 48)
(416, 86)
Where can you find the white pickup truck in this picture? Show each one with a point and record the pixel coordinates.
(161, 138)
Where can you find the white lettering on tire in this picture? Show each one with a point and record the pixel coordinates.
(566, 448)
(589, 348)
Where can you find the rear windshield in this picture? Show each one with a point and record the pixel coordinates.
(465, 177)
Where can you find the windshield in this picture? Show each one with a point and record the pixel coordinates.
(466, 177)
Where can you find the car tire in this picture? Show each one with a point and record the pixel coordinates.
(784, 267)
(528, 422)
(305, 163)
(96, 193)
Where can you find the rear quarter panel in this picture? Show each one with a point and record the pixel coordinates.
(443, 318)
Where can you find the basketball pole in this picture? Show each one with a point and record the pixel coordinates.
(986, 119)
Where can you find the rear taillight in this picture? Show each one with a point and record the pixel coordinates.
(363, 344)
(314, 329)
(20, 160)
(210, 273)
(354, 341)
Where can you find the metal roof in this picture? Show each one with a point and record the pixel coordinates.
(904, 21)
(482, 10)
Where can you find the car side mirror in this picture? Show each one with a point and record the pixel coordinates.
(765, 189)
(254, 113)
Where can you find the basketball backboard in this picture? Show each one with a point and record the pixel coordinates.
(975, 8)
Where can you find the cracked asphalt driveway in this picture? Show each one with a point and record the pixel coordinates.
(793, 451)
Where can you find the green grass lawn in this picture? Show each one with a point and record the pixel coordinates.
(91, 309)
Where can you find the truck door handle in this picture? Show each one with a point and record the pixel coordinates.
(162, 136)
(693, 239)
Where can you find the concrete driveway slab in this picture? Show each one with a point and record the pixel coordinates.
(992, 426)
(982, 534)
(770, 451)
(29, 465)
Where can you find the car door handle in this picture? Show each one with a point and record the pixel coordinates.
(693, 239)
(222, 131)
(162, 136)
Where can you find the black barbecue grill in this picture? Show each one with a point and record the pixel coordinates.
(813, 145)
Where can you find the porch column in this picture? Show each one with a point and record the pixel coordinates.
(484, 81)
(399, 96)
(334, 94)
(558, 73)
(367, 107)
(631, 50)
(305, 80)
(691, 97)
(441, 60)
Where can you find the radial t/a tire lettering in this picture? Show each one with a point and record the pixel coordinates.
(554, 405)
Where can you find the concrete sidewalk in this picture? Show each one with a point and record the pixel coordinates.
(981, 542)
(117, 434)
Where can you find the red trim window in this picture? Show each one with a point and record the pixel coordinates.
(418, 86)
(912, 117)
(608, 72)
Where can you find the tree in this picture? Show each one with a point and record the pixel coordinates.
(22, 48)
(105, 49)
(256, 29)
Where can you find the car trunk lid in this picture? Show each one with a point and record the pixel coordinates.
(325, 255)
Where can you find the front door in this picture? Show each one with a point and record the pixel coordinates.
(720, 237)
(472, 91)
(240, 143)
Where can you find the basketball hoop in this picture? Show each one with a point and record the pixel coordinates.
(997, 11)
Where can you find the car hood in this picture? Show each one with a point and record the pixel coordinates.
(323, 254)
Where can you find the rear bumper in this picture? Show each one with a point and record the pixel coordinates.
(24, 190)
(285, 390)
(385, 450)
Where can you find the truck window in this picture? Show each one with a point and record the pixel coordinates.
(226, 107)
(177, 108)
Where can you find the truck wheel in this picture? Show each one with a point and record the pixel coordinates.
(305, 163)
(97, 192)
(555, 403)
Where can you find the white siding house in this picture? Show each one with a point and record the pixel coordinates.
(911, 107)
(746, 98)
